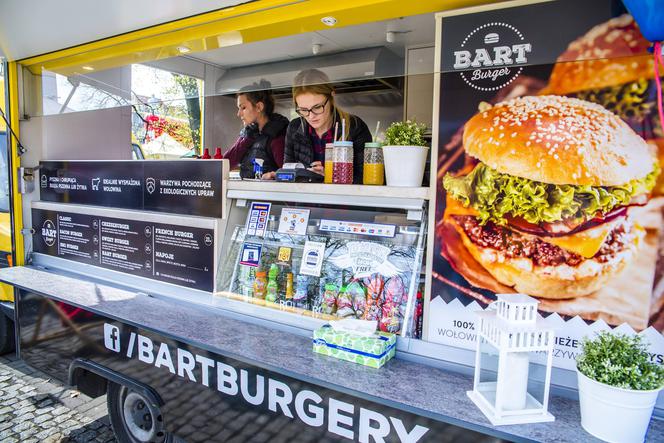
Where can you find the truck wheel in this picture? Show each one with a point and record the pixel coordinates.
(133, 418)
(7, 341)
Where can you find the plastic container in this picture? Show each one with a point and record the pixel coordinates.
(217, 154)
(404, 165)
(614, 414)
(289, 286)
(342, 168)
(374, 169)
(272, 289)
(260, 284)
(329, 162)
(206, 154)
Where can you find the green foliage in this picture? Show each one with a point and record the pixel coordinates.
(620, 360)
(495, 195)
(406, 133)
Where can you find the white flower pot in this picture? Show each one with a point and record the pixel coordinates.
(404, 165)
(614, 414)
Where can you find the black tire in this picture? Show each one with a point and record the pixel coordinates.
(7, 338)
(133, 418)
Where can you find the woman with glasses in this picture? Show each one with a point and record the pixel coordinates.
(263, 134)
(313, 96)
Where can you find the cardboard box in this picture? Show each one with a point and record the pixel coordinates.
(373, 351)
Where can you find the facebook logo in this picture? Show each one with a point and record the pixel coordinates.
(112, 337)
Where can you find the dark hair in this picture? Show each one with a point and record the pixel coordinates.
(259, 92)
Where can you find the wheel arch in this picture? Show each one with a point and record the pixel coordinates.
(92, 379)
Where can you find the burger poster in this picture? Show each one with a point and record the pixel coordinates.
(549, 176)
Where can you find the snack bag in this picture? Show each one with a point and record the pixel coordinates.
(392, 311)
(374, 285)
(329, 302)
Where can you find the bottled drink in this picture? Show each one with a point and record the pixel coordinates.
(272, 289)
(246, 280)
(342, 169)
(289, 286)
(374, 169)
(302, 291)
(260, 284)
(329, 162)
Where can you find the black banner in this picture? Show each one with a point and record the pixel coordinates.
(181, 187)
(173, 254)
(211, 387)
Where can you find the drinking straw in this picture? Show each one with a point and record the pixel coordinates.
(336, 130)
(343, 129)
(376, 133)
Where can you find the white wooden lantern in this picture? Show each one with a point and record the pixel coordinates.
(508, 387)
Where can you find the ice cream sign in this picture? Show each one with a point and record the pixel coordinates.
(489, 54)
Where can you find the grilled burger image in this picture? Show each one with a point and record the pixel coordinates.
(610, 65)
(543, 207)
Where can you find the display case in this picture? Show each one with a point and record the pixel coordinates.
(327, 257)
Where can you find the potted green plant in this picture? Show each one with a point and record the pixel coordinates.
(618, 386)
(405, 153)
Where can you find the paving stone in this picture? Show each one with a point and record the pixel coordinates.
(22, 426)
(42, 418)
(45, 433)
(27, 433)
(34, 409)
(25, 417)
(61, 418)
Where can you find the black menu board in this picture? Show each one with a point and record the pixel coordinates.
(168, 253)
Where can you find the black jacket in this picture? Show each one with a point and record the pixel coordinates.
(299, 147)
(266, 144)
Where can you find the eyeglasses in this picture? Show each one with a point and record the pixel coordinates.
(315, 110)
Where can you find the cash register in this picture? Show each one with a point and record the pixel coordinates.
(296, 172)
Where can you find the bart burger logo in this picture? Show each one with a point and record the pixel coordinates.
(490, 55)
(49, 233)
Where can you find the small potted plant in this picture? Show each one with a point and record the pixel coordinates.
(405, 153)
(618, 386)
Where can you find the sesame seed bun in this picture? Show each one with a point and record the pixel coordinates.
(611, 53)
(558, 140)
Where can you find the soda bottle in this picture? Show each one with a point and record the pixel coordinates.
(301, 291)
(289, 286)
(260, 283)
(272, 289)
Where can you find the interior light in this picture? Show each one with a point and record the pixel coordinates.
(183, 49)
(87, 68)
(329, 21)
(315, 48)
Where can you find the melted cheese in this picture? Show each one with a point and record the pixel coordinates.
(585, 243)
(455, 207)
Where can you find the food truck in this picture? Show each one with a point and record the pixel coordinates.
(147, 271)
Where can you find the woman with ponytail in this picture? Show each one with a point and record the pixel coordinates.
(264, 132)
(313, 97)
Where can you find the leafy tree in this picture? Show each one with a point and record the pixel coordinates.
(189, 87)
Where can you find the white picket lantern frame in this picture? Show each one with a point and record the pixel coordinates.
(512, 327)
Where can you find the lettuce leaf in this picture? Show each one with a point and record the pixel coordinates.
(495, 195)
